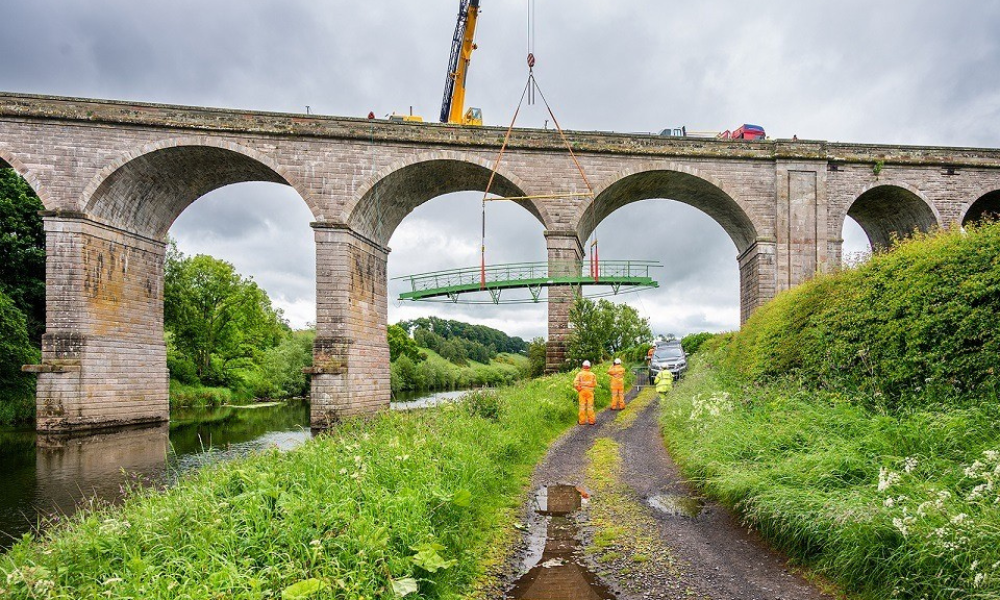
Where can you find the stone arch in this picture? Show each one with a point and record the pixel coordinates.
(892, 210)
(8, 159)
(146, 188)
(985, 206)
(384, 200)
(675, 182)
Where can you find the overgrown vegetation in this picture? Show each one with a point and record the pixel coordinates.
(692, 342)
(603, 329)
(402, 503)
(225, 342)
(855, 420)
(22, 295)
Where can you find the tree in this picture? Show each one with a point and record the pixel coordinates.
(401, 344)
(215, 315)
(22, 251)
(601, 329)
(536, 357)
(15, 350)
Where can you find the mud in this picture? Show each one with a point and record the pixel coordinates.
(558, 572)
(698, 549)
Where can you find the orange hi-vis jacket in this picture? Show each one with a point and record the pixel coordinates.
(617, 373)
(585, 380)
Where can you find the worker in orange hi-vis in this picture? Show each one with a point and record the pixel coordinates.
(617, 373)
(585, 383)
(649, 355)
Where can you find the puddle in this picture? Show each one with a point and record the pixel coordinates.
(677, 506)
(557, 575)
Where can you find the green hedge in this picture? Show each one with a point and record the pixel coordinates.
(912, 327)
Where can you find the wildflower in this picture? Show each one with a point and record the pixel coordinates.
(900, 525)
(978, 581)
(909, 464)
(886, 479)
(343, 471)
(974, 470)
(991, 455)
(889, 502)
(960, 518)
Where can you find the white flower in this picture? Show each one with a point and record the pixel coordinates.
(991, 455)
(901, 526)
(960, 518)
(909, 464)
(889, 502)
(978, 581)
(886, 479)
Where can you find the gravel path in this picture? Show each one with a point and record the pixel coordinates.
(686, 548)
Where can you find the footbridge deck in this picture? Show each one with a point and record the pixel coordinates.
(532, 276)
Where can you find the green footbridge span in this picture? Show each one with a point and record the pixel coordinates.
(617, 276)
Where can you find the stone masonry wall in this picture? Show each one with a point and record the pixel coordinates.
(103, 353)
(350, 373)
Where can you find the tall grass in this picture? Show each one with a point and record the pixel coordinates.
(401, 499)
(855, 421)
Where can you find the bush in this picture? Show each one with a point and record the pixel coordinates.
(692, 343)
(182, 395)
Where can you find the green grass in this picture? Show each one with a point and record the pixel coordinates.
(855, 420)
(377, 501)
(804, 467)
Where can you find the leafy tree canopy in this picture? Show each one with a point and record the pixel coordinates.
(215, 315)
(22, 251)
(401, 344)
(602, 329)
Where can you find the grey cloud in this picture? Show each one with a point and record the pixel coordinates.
(896, 71)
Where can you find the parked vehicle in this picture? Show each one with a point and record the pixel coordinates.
(744, 132)
(668, 356)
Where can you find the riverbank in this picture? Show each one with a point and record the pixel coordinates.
(439, 374)
(404, 499)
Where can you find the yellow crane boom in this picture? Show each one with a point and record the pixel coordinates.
(453, 104)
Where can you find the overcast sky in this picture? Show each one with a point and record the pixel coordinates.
(900, 71)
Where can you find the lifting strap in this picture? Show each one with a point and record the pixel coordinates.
(530, 87)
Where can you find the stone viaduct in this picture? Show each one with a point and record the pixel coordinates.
(114, 176)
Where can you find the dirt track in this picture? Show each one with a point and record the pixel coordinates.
(688, 548)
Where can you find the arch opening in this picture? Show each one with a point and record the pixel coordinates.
(700, 282)
(149, 192)
(890, 212)
(444, 233)
(683, 187)
(382, 208)
(987, 207)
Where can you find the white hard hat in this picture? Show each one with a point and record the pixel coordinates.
(586, 363)
(618, 361)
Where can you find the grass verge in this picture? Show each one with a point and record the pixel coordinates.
(902, 505)
(401, 502)
(623, 542)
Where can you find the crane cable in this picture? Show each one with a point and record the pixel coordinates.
(489, 184)
(533, 84)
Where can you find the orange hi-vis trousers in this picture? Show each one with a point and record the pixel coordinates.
(617, 373)
(587, 407)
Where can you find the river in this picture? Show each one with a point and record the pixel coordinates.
(45, 475)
